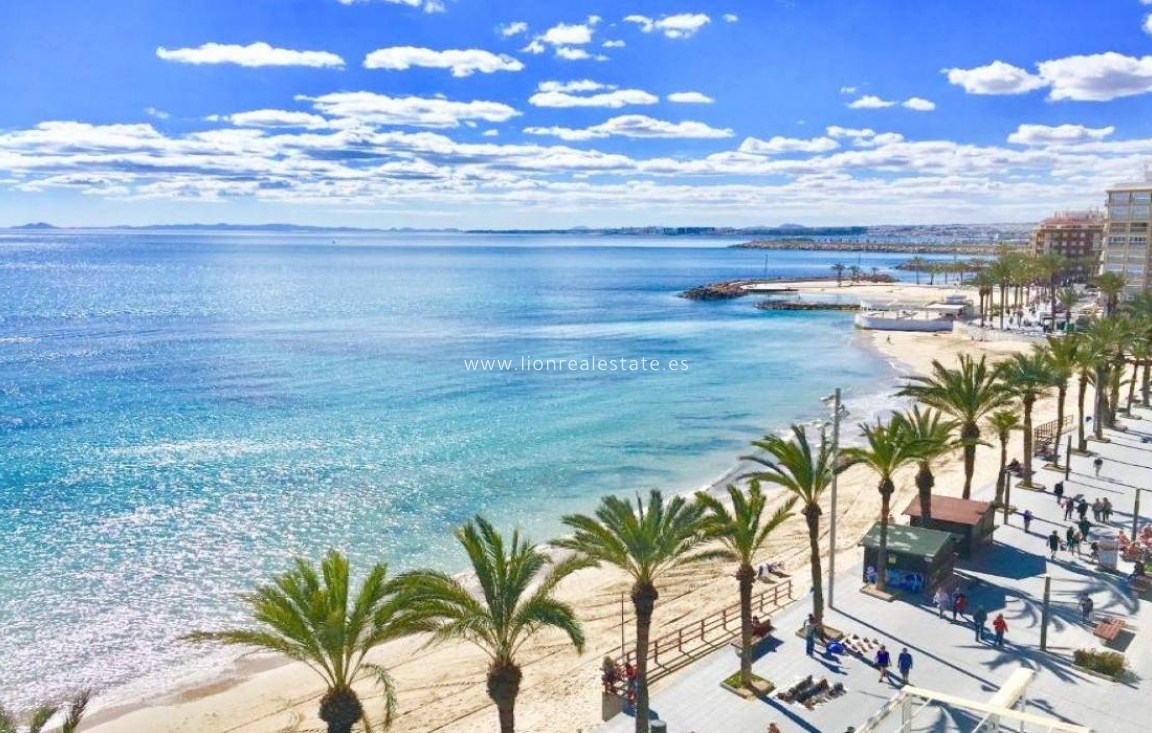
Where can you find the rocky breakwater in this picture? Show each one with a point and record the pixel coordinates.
(726, 290)
(796, 305)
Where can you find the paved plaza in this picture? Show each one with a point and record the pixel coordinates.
(1006, 577)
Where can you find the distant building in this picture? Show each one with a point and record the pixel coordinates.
(1126, 234)
(1078, 236)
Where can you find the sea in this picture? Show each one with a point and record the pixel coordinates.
(182, 413)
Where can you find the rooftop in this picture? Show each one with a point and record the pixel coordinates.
(952, 509)
(921, 541)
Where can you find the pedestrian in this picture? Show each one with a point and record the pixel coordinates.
(979, 618)
(1000, 626)
(1082, 508)
(1069, 508)
(810, 627)
(941, 600)
(1028, 521)
(1085, 528)
(959, 601)
(1097, 506)
(883, 661)
(1086, 608)
(1058, 490)
(1070, 538)
(1098, 462)
(1107, 510)
(1053, 545)
(904, 664)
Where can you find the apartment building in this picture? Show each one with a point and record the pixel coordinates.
(1129, 220)
(1078, 236)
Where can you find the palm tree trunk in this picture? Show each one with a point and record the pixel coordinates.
(1146, 383)
(1100, 403)
(745, 575)
(886, 489)
(1002, 477)
(1061, 394)
(1080, 439)
(644, 597)
(1115, 377)
(1029, 400)
(1003, 306)
(969, 434)
(1132, 384)
(924, 483)
(812, 516)
(503, 687)
(341, 709)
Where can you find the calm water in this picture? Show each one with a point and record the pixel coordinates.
(181, 414)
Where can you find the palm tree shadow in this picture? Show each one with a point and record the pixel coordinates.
(796, 720)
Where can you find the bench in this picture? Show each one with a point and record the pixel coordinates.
(1108, 629)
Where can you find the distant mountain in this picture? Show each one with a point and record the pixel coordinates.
(36, 225)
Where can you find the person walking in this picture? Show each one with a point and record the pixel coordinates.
(1082, 508)
(1000, 626)
(959, 602)
(1069, 508)
(1086, 607)
(1058, 490)
(1098, 463)
(1096, 509)
(1085, 528)
(1107, 510)
(979, 618)
(1070, 539)
(904, 664)
(1053, 545)
(810, 626)
(1028, 521)
(941, 600)
(883, 661)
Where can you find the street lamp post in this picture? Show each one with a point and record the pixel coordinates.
(836, 410)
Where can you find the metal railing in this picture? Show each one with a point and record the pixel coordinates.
(682, 646)
(1044, 436)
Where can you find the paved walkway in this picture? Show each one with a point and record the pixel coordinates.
(1006, 578)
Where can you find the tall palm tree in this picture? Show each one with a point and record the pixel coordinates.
(1000, 272)
(967, 393)
(839, 269)
(855, 271)
(1063, 360)
(742, 530)
(311, 615)
(1028, 377)
(806, 474)
(931, 434)
(508, 611)
(1003, 422)
(1050, 266)
(1140, 308)
(1088, 355)
(1067, 298)
(1111, 284)
(73, 716)
(645, 542)
(887, 448)
(1106, 339)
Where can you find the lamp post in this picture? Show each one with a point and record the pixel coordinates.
(1136, 515)
(837, 411)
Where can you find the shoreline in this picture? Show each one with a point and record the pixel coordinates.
(442, 688)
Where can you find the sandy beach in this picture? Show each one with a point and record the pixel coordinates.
(441, 689)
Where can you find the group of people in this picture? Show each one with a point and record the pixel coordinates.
(883, 662)
(614, 677)
(957, 602)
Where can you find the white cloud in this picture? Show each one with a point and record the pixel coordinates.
(997, 77)
(380, 109)
(1058, 135)
(572, 54)
(560, 95)
(534, 47)
(918, 104)
(157, 113)
(614, 44)
(682, 25)
(870, 101)
(568, 35)
(1098, 77)
(491, 133)
(635, 126)
(254, 54)
(1148, 24)
(514, 28)
(847, 90)
(731, 17)
(690, 98)
(429, 6)
(778, 144)
(276, 118)
(864, 137)
(462, 62)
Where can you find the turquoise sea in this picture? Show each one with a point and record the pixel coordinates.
(182, 413)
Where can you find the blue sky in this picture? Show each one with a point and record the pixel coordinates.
(472, 113)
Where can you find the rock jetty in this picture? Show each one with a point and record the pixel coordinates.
(795, 305)
(725, 290)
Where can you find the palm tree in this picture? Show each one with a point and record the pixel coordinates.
(931, 433)
(806, 474)
(1111, 284)
(1003, 422)
(508, 611)
(73, 716)
(1140, 308)
(839, 269)
(887, 448)
(1049, 266)
(967, 393)
(1088, 355)
(310, 615)
(1000, 273)
(854, 271)
(1067, 298)
(1063, 360)
(742, 531)
(1028, 377)
(1105, 339)
(645, 542)
(916, 264)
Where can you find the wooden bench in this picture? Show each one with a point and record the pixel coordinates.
(1109, 628)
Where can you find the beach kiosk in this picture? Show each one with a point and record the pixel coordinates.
(919, 559)
(971, 521)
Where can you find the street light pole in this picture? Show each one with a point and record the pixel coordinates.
(832, 526)
(1136, 515)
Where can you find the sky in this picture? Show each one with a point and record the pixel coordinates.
(531, 114)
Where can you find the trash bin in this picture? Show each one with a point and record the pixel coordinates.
(658, 726)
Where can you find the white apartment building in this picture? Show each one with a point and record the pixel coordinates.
(1126, 235)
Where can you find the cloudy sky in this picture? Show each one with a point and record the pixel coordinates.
(523, 113)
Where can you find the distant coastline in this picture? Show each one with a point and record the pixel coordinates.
(886, 247)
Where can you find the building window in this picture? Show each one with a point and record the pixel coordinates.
(1140, 211)
(1118, 197)
(1118, 212)
(1142, 197)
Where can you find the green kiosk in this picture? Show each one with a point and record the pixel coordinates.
(919, 559)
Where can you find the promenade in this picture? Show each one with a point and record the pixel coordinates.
(1006, 577)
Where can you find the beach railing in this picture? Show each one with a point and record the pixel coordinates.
(1043, 436)
(686, 644)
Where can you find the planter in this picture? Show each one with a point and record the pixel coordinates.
(760, 686)
(1107, 665)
